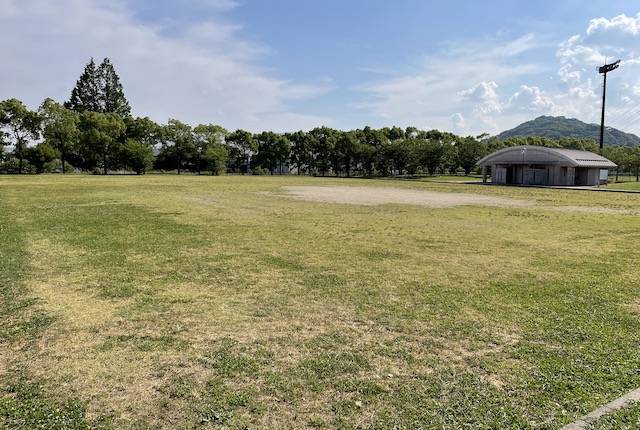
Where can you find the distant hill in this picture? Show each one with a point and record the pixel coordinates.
(557, 127)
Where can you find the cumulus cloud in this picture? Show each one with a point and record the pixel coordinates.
(458, 124)
(465, 77)
(532, 99)
(619, 31)
(568, 75)
(604, 40)
(484, 96)
(199, 73)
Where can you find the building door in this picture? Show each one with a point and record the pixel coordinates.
(509, 178)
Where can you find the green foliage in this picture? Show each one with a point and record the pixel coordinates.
(85, 96)
(245, 144)
(272, 150)
(111, 95)
(41, 155)
(144, 130)
(557, 128)
(468, 152)
(100, 136)
(322, 141)
(99, 90)
(137, 156)
(211, 151)
(60, 129)
(20, 125)
(178, 147)
(215, 158)
(14, 166)
(300, 152)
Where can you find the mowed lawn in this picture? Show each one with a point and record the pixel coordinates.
(180, 302)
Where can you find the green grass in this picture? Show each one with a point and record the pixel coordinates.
(205, 302)
(626, 185)
(626, 419)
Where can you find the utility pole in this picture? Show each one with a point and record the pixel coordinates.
(604, 70)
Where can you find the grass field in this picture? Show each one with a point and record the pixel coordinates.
(220, 302)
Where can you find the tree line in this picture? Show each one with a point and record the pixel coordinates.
(94, 131)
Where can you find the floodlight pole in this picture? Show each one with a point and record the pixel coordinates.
(523, 151)
(604, 70)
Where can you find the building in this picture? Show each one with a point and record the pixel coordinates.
(541, 165)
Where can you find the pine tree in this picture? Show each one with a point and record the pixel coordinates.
(111, 93)
(99, 90)
(85, 95)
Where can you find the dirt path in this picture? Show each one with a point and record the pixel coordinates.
(371, 196)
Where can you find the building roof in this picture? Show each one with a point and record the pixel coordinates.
(546, 155)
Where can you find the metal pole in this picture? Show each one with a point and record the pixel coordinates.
(524, 151)
(604, 70)
(604, 97)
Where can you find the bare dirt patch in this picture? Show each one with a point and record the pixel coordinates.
(372, 196)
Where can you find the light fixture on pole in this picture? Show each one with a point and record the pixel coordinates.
(523, 151)
(604, 70)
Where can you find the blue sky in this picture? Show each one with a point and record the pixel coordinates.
(468, 67)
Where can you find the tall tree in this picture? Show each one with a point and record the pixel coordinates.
(345, 152)
(85, 96)
(207, 136)
(468, 152)
(322, 142)
(60, 128)
(300, 152)
(99, 90)
(435, 148)
(246, 145)
(215, 158)
(178, 147)
(273, 149)
(144, 130)
(2, 143)
(111, 94)
(101, 133)
(21, 125)
(137, 156)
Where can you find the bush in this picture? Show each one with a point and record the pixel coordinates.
(12, 166)
(259, 171)
(55, 166)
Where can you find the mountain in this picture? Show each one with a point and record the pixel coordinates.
(557, 127)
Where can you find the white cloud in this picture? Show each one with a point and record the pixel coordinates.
(604, 40)
(458, 124)
(205, 73)
(463, 77)
(569, 76)
(484, 97)
(531, 99)
(619, 31)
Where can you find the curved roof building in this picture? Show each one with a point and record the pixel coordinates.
(541, 165)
